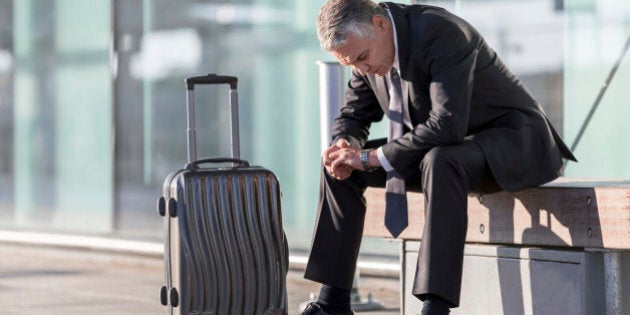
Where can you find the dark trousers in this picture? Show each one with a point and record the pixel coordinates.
(445, 175)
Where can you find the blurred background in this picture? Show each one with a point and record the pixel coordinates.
(92, 99)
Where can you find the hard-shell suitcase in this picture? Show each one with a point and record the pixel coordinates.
(225, 249)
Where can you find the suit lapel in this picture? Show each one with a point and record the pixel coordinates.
(381, 91)
(402, 34)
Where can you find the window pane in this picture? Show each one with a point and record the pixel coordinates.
(596, 34)
(58, 116)
(7, 190)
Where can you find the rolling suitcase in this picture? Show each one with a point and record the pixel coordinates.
(225, 249)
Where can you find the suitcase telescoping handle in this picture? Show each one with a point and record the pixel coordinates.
(195, 164)
(212, 79)
(190, 109)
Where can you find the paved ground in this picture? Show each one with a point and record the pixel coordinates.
(45, 280)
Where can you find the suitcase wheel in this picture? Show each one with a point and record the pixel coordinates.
(172, 207)
(161, 206)
(164, 296)
(174, 298)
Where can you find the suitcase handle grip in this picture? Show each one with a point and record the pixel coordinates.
(195, 164)
(190, 112)
(211, 78)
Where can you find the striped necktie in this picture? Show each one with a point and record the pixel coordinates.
(396, 219)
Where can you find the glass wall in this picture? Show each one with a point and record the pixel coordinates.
(92, 97)
(56, 115)
(597, 35)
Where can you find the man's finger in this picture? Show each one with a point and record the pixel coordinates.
(342, 143)
(328, 162)
(336, 165)
(345, 172)
(326, 156)
(334, 155)
(330, 172)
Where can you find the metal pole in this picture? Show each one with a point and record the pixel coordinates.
(614, 290)
(190, 131)
(235, 142)
(331, 97)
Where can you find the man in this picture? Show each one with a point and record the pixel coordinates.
(460, 122)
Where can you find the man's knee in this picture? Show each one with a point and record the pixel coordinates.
(440, 157)
(465, 161)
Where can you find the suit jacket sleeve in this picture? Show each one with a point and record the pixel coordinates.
(448, 56)
(358, 113)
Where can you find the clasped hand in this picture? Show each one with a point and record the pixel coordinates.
(341, 159)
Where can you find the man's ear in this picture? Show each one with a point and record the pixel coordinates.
(379, 23)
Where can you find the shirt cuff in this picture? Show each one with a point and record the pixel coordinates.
(384, 162)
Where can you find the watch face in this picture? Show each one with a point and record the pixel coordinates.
(364, 160)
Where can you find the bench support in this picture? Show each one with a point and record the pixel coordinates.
(502, 279)
(614, 284)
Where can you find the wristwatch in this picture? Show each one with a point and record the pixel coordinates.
(364, 160)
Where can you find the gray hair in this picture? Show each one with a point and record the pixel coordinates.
(339, 18)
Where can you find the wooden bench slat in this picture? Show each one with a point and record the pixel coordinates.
(553, 215)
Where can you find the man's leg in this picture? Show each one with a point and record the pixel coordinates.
(339, 227)
(337, 236)
(448, 174)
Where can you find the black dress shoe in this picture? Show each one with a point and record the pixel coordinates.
(315, 309)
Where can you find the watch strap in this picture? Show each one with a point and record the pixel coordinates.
(364, 160)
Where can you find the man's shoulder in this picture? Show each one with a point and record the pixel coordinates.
(429, 23)
(417, 11)
(433, 18)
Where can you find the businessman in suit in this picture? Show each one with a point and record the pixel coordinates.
(460, 122)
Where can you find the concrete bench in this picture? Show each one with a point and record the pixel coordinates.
(563, 248)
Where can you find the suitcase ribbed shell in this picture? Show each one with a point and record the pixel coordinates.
(225, 248)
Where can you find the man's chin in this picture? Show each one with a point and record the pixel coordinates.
(382, 72)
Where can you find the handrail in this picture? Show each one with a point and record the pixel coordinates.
(600, 96)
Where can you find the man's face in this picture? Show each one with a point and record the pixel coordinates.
(373, 55)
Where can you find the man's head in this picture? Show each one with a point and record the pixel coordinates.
(358, 33)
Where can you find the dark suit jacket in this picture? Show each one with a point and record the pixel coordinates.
(455, 87)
